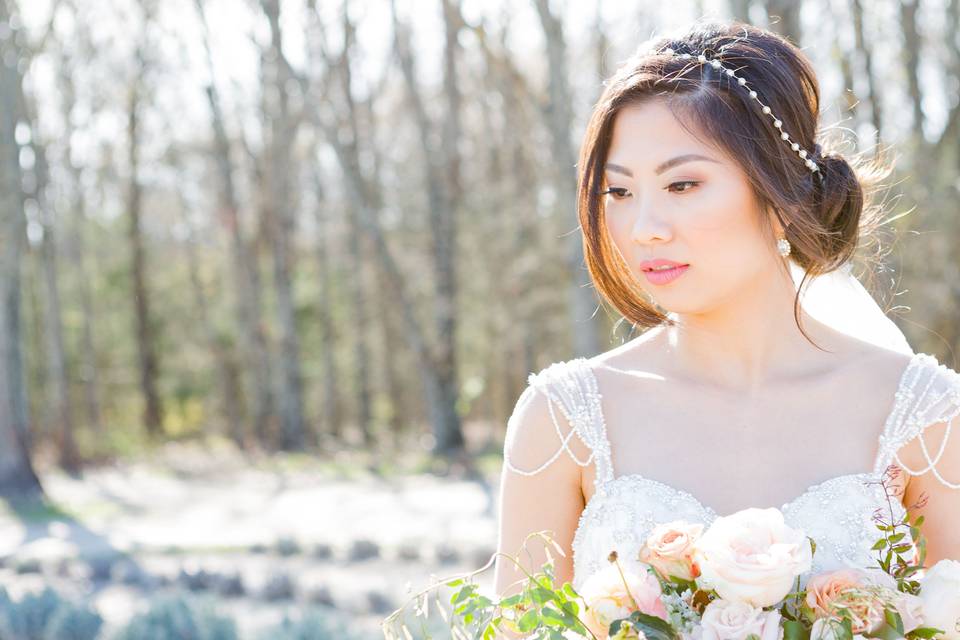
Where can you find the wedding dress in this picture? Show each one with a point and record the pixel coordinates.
(837, 513)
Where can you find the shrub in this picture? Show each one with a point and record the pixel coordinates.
(313, 625)
(174, 616)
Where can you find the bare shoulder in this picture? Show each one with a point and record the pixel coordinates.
(882, 368)
(643, 355)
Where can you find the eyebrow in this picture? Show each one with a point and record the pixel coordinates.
(669, 164)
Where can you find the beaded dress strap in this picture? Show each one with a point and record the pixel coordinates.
(571, 387)
(929, 394)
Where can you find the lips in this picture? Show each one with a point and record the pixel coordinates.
(648, 265)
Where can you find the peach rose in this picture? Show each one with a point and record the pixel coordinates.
(865, 591)
(752, 556)
(607, 598)
(824, 588)
(669, 549)
(733, 620)
(866, 609)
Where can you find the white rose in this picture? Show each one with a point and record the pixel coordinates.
(752, 556)
(911, 610)
(732, 620)
(940, 592)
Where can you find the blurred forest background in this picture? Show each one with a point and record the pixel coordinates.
(346, 230)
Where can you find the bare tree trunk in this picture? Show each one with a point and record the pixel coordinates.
(331, 409)
(281, 208)
(388, 360)
(246, 297)
(911, 58)
(559, 116)
(146, 342)
(17, 477)
(365, 191)
(360, 333)
(77, 255)
(444, 197)
(58, 384)
(740, 9)
(785, 18)
(866, 53)
(220, 347)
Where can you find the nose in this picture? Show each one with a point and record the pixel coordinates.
(648, 227)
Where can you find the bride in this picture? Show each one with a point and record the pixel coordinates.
(704, 201)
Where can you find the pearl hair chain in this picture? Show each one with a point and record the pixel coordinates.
(753, 94)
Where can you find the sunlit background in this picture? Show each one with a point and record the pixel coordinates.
(273, 275)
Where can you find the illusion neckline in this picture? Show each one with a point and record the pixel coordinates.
(602, 486)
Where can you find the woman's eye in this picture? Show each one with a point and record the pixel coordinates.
(616, 192)
(683, 182)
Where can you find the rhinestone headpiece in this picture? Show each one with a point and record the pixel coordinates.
(715, 63)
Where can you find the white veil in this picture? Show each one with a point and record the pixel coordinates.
(838, 300)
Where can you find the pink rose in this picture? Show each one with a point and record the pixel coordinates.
(669, 549)
(752, 556)
(733, 620)
(607, 598)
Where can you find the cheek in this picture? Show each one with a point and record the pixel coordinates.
(618, 228)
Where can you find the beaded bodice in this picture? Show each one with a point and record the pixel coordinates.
(837, 513)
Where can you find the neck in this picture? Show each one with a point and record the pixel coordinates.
(750, 341)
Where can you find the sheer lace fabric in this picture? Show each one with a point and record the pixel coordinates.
(837, 513)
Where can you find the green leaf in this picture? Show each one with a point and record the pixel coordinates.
(540, 595)
(846, 629)
(551, 615)
(879, 544)
(925, 632)
(455, 583)
(653, 628)
(892, 628)
(793, 630)
(892, 617)
(528, 621)
(490, 631)
(511, 601)
(463, 593)
(569, 591)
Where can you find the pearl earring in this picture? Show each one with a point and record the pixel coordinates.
(783, 246)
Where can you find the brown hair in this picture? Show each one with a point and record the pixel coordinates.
(825, 217)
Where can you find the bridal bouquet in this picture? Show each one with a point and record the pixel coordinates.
(739, 579)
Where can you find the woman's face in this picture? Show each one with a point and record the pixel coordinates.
(697, 211)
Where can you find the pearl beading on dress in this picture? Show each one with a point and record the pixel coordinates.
(716, 64)
(930, 396)
(579, 402)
